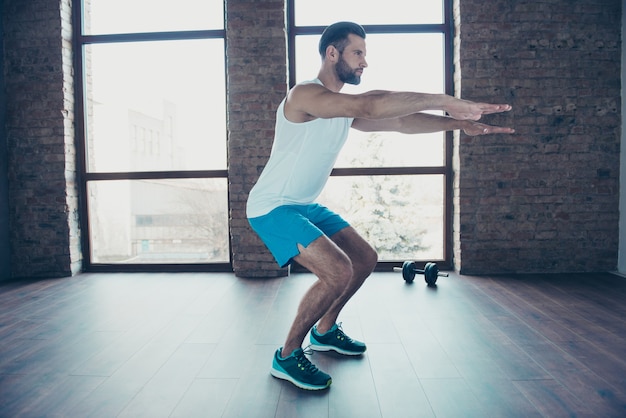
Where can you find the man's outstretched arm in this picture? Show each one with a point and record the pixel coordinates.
(310, 101)
(420, 123)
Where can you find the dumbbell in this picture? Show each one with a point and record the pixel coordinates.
(431, 272)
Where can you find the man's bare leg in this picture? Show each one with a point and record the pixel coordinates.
(364, 260)
(333, 269)
(339, 277)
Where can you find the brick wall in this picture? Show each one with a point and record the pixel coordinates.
(545, 199)
(5, 242)
(257, 82)
(40, 138)
(621, 262)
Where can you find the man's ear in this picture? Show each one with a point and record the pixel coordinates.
(332, 53)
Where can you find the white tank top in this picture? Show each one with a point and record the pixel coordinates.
(302, 157)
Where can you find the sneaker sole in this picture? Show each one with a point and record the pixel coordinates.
(336, 349)
(284, 376)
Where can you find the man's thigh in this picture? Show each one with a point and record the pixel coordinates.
(356, 247)
(345, 249)
(325, 259)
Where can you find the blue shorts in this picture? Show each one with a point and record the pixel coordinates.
(287, 226)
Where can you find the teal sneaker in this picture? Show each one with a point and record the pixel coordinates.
(336, 340)
(297, 369)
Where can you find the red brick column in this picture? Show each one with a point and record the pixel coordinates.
(43, 201)
(257, 82)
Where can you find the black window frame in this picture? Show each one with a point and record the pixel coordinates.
(81, 40)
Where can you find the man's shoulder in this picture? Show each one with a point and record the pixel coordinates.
(313, 81)
(299, 98)
(309, 85)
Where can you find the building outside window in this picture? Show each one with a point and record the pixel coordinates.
(152, 94)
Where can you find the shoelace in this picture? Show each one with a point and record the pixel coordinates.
(304, 361)
(340, 333)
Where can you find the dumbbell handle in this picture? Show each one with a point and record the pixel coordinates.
(440, 274)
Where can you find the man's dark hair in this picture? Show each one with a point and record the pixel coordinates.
(337, 35)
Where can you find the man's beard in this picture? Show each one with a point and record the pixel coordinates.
(347, 74)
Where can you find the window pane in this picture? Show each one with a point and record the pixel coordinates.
(156, 106)
(325, 12)
(136, 16)
(158, 221)
(392, 149)
(396, 61)
(401, 216)
(400, 62)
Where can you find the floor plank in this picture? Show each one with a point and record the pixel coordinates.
(453, 398)
(201, 344)
(400, 393)
(160, 396)
(205, 398)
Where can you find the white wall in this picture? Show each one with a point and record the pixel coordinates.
(621, 262)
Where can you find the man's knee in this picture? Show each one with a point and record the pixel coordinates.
(324, 259)
(363, 256)
(370, 260)
(341, 276)
(365, 264)
(361, 253)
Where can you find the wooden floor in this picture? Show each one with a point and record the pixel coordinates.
(200, 345)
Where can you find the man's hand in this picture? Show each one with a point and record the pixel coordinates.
(467, 110)
(476, 128)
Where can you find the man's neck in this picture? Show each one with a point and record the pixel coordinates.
(330, 80)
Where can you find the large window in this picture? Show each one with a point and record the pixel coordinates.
(394, 189)
(151, 119)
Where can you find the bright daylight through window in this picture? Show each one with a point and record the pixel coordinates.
(152, 93)
(155, 131)
(403, 216)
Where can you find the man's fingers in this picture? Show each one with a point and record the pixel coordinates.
(498, 130)
(487, 108)
(480, 129)
(474, 111)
